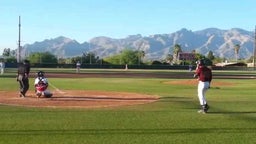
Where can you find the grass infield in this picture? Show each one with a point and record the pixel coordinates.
(172, 119)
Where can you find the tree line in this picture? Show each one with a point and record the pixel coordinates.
(126, 56)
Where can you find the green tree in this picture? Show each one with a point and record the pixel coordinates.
(13, 53)
(169, 58)
(44, 57)
(237, 48)
(156, 63)
(11, 59)
(193, 51)
(250, 60)
(113, 59)
(86, 58)
(199, 56)
(7, 52)
(130, 57)
(127, 56)
(9, 55)
(61, 61)
(210, 55)
(74, 60)
(141, 55)
(218, 60)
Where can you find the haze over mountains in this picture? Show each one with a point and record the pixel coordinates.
(156, 47)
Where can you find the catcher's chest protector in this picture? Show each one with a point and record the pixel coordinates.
(41, 82)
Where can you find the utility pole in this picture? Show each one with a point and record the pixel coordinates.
(19, 50)
(90, 53)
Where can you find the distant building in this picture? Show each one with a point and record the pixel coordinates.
(186, 56)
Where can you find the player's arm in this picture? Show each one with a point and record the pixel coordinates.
(197, 73)
(36, 81)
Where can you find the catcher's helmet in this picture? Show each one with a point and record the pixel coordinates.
(40, 74)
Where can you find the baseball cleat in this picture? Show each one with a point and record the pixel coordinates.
(38, 95)
(202, 111)
(22, 95)
(206, 108)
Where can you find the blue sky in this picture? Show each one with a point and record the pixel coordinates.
(83, 20)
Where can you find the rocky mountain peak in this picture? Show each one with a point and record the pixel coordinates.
(158, 46)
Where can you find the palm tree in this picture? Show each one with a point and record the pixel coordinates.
(193, 51)
(236, 48)
(210, 55)
(169, 58)
(141, 55)
(176, 51)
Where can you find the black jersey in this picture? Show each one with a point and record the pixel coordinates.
(21, 69)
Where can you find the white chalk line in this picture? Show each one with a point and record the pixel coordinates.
(58, 90)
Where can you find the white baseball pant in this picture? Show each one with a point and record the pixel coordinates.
(202, 88)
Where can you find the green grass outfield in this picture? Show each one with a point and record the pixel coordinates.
(172, 119)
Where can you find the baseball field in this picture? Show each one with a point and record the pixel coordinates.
(129, 107)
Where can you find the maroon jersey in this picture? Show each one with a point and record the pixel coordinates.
(204, 74)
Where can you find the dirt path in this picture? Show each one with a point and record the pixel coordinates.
(77, 99)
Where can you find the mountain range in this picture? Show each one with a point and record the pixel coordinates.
(156, 47)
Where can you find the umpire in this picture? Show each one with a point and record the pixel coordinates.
(22, 77)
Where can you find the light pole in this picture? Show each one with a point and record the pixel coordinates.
(19, 47)
(138, 57)
(90, 57)
(90, 52)
(40, 58)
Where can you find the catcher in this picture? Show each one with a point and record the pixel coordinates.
(41, 85)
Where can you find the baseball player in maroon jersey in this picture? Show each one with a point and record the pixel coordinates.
(204, 75)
